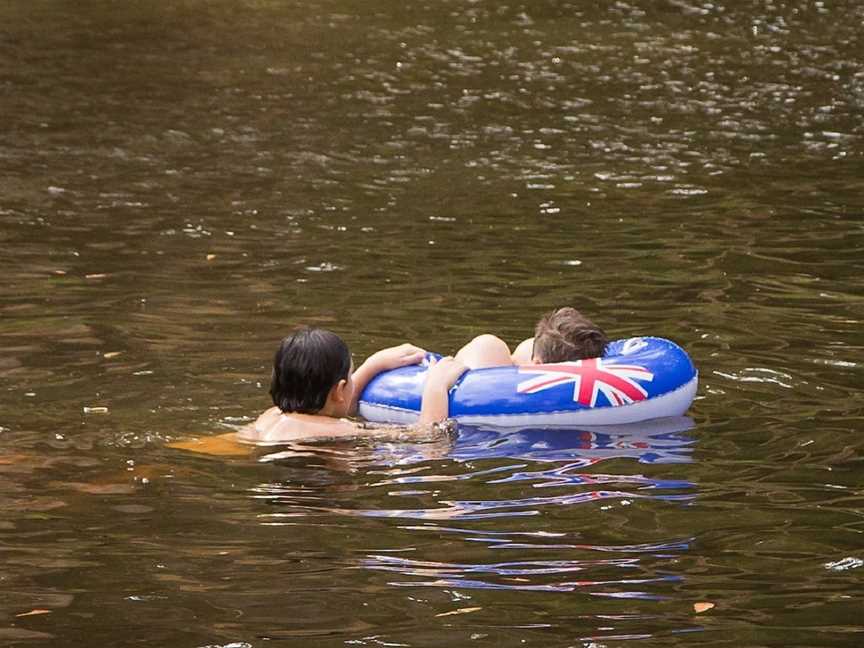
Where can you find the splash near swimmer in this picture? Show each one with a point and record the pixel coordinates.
(637, 379)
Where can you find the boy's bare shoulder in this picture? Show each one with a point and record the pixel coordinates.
(273, 426)
(524, 352)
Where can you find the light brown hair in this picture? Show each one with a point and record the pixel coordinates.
(565, 334)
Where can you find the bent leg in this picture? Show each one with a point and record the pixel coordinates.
(524, 353)
(485, 351)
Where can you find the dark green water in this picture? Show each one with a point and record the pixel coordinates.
(182, 182)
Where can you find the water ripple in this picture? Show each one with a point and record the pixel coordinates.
(517, 576)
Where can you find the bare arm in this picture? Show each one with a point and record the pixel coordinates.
(384, 360)
(436, 400)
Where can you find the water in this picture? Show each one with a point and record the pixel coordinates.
(182, 182)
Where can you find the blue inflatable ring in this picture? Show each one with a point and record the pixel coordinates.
(637, 379)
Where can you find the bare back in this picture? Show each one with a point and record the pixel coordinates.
(274, 426)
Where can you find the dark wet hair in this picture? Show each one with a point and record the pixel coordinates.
(305, 368)
(565, 334)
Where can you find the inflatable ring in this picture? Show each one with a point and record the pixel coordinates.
(637, 379)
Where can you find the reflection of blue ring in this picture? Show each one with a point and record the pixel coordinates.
(636, 380)
(656, 441)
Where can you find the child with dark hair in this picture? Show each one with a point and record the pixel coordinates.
(561, 335)
(314, 387)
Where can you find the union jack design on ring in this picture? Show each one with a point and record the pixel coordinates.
(593, 376)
